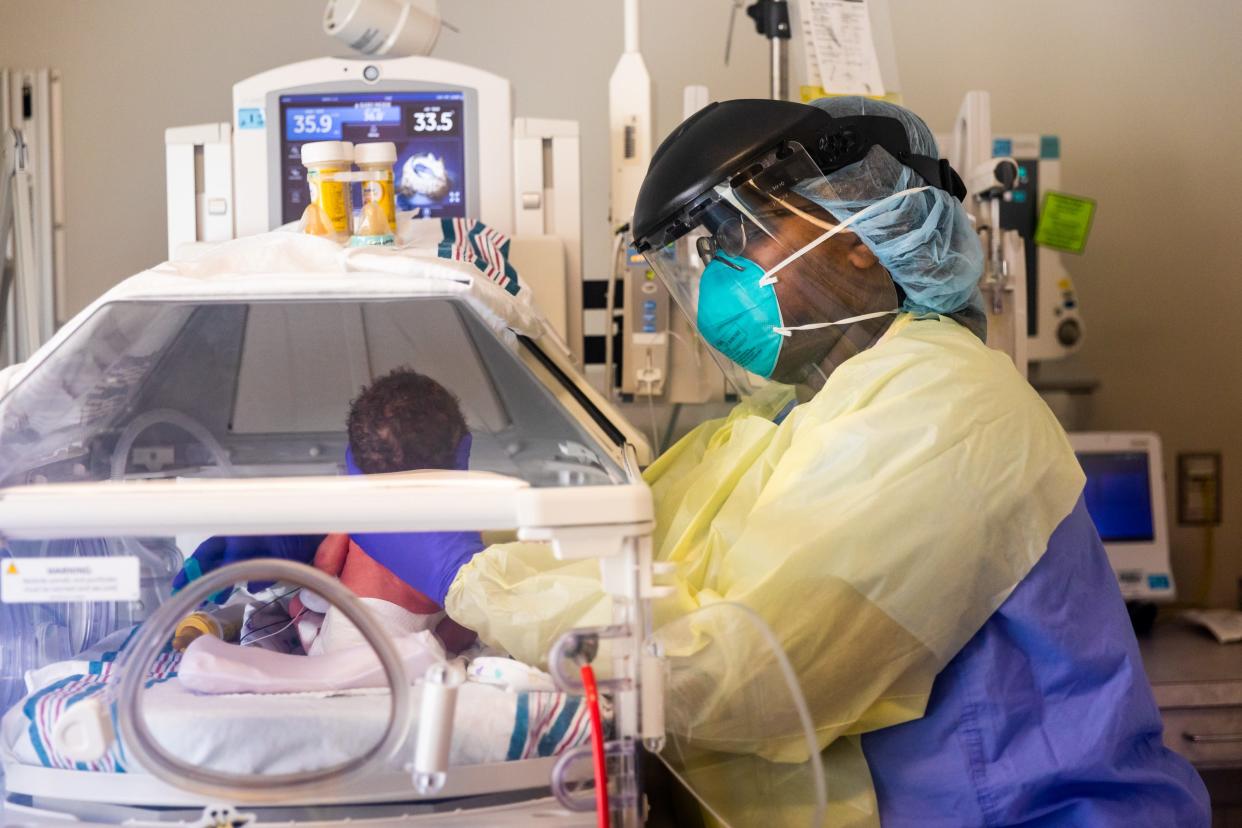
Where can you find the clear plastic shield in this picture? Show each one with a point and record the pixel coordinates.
(771, 279)
(738, 732)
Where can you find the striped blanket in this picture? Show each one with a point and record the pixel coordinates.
(467, 240)
(287, 733)
(87, 677)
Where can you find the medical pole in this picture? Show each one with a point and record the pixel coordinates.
(629, 105)
(20, 313)
(772, 21)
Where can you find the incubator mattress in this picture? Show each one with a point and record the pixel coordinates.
(257, 734)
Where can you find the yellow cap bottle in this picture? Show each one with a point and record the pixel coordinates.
(323, 161)
(378, 159)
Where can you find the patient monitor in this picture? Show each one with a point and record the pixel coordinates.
(456, 120)
(456, 140)
(1125, 496)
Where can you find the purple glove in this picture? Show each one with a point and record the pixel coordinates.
(427, 561)
(221, 550)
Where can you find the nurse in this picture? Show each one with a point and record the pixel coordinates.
(897, 504)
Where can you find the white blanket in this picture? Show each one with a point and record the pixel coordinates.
(210, 665)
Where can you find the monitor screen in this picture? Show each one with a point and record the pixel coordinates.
(1118, 495)
(427, 127)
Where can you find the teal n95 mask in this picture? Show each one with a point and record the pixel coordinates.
(738, 312)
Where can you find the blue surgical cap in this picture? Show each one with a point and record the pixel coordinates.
(925, 239)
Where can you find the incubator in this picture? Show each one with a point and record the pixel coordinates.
(208, 398)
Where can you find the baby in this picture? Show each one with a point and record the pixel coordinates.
(401, 422)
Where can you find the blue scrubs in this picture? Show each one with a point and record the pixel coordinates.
(1045, 718)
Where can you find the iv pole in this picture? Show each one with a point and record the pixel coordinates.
(772, 21)
(19, 315)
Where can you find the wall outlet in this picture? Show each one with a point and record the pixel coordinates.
(1198, 489)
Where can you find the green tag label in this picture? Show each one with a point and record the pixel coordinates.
(1064, 221)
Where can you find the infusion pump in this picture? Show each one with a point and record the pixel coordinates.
(455, 134)
(1033, 312)
(1054, 324)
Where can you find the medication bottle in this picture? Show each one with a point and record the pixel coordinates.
(378, 160)
(323, 161)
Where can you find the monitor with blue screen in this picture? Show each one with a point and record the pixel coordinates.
(1118, 494)
(1124, 494)
(428, 128)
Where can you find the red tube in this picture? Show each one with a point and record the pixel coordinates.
(597, 747)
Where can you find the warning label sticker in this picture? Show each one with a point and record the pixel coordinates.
(1064, 222)
(71, 580)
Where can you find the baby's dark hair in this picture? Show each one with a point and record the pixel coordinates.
(405, 420)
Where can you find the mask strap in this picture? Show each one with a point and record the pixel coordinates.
(769, 276)
(783, 331)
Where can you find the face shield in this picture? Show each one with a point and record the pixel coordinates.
(771, 280)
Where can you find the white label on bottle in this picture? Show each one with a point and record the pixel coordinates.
(71, 580)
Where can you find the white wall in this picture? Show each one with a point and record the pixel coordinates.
(1145, 95)
(131, 68)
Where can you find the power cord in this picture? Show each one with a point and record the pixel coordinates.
(647, 379)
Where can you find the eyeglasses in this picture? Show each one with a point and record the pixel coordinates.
(729, 238)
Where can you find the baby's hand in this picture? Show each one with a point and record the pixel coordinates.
(454, 636)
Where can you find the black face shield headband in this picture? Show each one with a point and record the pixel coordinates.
(848, 139)
(725, 141)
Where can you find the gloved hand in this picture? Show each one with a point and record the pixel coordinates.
(216, 552)
(427, 561)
